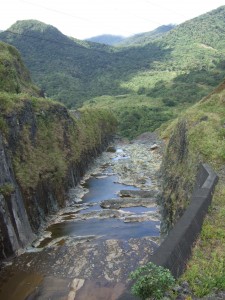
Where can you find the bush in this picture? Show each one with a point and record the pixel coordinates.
(151, 281)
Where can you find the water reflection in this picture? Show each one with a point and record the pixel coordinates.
(106, 228)
(104, 188)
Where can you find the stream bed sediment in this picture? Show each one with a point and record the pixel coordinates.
(110, 226)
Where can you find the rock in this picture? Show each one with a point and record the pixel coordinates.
(153, 147)
(139, 193)
(139, 218)
(129, 202)
(177, 289)
(74, 287)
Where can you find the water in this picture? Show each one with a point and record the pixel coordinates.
(105, 228)
(70, 226)
(103, 186)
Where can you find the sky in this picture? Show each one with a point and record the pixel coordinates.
(83, 19)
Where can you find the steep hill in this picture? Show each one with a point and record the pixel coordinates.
(14, 77)
(197, 136)
(44, 149)
(189, 66)
(107, 39)
(162, 76)
(60, 65)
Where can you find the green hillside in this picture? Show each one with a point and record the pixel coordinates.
(14, 77)
(107, 39)
(201, 130)
(43, 137)
(191, 66)
(160, 76)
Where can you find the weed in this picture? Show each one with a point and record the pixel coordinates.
(151, 281)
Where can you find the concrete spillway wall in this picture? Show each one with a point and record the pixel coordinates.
(175, 250)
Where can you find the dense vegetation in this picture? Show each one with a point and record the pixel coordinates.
(60, 139)
(107, 39)
(44, 138)
(145, 85)
(203, 141)
(14, 77)
(166, 72)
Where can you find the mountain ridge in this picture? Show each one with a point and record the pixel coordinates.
(165, 73)
(107, 39)
(145, 37)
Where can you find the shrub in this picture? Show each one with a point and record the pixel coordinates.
(151, 281)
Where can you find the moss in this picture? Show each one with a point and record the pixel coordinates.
(59, 141)
(3, 126)
(7, 189)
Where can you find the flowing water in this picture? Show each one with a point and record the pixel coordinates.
(85, 232)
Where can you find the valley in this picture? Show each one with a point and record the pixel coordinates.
(162, 72)
(100, 146)
(90, 243)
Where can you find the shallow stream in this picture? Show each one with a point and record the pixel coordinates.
(93, 241)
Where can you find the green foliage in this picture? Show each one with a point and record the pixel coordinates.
(90, 70)
(6, 189)
(107, 39)
(175, 69)
(48, 139)
(14, 77)
(59, 141)
(135, 113)
(151, 281)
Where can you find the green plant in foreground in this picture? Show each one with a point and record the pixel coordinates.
(151, 281)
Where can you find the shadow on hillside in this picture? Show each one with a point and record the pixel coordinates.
(188, 88)
(72, 73)
(126, 63)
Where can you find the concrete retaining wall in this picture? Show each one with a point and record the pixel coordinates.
(175, 250)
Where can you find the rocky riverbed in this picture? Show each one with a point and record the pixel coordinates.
(96, 241)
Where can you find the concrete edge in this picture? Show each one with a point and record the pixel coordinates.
(176, 249)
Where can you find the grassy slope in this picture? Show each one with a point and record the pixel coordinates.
(206, 143)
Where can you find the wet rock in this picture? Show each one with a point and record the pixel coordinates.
(140, 218)
(128, 202)
(140, 166)
(139, 193)
(76, 284)
(101, 214)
